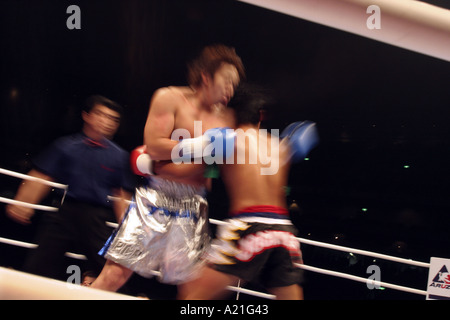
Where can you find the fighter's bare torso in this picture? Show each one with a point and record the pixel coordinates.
(182, 109)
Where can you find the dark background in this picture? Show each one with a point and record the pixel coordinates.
(378, 181)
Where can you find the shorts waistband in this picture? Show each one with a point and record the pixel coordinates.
(262, 211)
(175, 189)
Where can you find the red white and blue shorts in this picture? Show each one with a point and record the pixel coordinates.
(258, 244)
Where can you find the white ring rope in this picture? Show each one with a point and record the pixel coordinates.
(31, 178)
(218, 222)
(332, 247)
(364, 253)
(28, 205)
(360, 279)
(33, 246)
(247, 291)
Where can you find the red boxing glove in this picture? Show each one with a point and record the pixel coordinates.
(141, 163)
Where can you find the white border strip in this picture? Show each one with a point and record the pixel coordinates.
(408, 24)
(17, 285)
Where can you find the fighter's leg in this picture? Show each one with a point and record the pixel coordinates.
(211, 284)
(112, 277)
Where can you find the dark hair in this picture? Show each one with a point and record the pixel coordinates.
(210, 59)
(89, 273)
(98, 99)
(248, 102)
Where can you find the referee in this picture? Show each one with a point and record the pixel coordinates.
(93, 167)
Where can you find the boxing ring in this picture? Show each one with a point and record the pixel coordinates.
(19, 285)
(411, 25)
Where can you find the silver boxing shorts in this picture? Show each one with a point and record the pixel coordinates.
(165, 229)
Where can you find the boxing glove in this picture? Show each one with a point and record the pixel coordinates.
(301, 137)
(221, 146)
(213, 146)
(141, 163)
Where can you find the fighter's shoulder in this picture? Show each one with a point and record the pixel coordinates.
(168, 96)
(171, 92)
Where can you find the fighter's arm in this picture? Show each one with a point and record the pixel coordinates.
(160, 125)
(31, 192)
(168, 169)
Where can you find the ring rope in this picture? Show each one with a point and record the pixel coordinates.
(364, 252)
(252, 292)
(360, 279)
(28, 205)
(218, 222)
(33, 246)
(155, 273)
(247, 291)
(31, 178)
(320, 244)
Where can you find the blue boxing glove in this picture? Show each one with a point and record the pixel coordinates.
(214, 146)
(221, 145)
(301, 137)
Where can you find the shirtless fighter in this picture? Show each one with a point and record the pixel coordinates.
(165, 227)
(258, 243)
